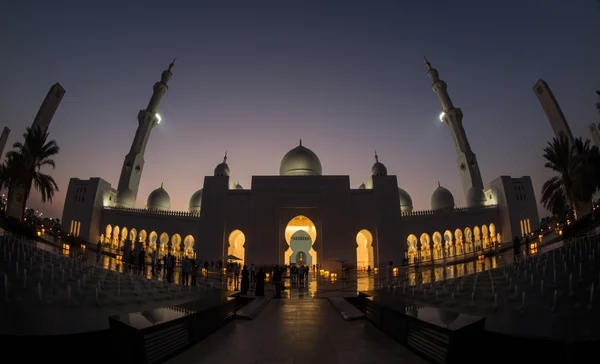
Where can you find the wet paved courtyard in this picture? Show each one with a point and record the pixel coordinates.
(298, 331)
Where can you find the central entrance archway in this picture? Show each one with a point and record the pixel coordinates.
(300, 243)
(300, 230)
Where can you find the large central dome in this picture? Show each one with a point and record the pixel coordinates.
(300, 161)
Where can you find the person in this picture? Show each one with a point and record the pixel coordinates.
(389, 272)
(277, 281)
(169, 267)
(260, 283)
(236, 276)
(516, 249)
(252, 274)
(186, 268)
(245, 280)
(194, 272)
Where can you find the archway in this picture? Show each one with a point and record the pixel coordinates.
(458, 235)
(300, 223)
(152, 240)
(364, 250)
(132, 235)
(412, 241)
(437, 245)
(164, 242)
(142, 237)
(425, 247)
(124, 235)
(300, 244)
(188, 246)
(477, 237)
(493, 233)
(448, 245)
(485, 237)
(116, 237)
(468, 240)
(176, 244)
(237, 239)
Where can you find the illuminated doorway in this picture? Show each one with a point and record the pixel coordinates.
(300, 243)
(301, 258)
(364, 250)
(297, 225)
(237, 239)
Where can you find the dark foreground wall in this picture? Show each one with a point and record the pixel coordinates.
(534, 350)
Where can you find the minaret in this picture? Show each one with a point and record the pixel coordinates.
(133, 165)
(452, 116)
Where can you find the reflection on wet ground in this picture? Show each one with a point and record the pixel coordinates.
(316, 283)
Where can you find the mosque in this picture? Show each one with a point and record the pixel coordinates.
(301, 215)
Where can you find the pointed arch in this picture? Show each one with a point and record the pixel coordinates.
(412, 243)
(425, 246)
(448, 244)
(237, 240)
(300, 223)
(189, 245)
(437, 245)
(364, 250)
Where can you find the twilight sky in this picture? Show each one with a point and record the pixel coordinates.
(252, 77)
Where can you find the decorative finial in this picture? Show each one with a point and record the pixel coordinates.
(161, 184)
(172, 63)
(439, 185)
(427, 64)
(376, 157)
(300, 141)
(225, 157)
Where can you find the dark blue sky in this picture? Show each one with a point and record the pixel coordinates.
(252, 77)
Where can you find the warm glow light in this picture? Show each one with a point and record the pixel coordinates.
(158, 117)
(442, 115)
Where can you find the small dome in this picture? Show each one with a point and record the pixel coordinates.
(406, 204)
(196, 202)
(442, 199)
(126, 198)
(475, 197)
(159, 200)
(378, 168)
(362, 186)
(222, 170)
(300, 161)
(238, 186)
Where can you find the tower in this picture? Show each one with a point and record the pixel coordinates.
(452, 116)
(4, 139)
(594, 133)
(552, 109)
(18, 194)
(133, 165)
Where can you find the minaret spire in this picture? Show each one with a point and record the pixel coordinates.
(452, 117)
(131, 173)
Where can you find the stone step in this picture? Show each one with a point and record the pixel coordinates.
(346, 309)
(252, 309)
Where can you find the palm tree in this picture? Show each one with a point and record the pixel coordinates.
(24, 163)
(578, 169)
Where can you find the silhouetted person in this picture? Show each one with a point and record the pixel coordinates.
(277, 278)
(260, 283)
(516, 249)
(245, 280)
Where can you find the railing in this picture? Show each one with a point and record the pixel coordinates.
(448, 210)
(155, 212)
